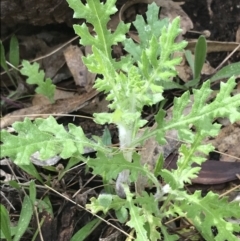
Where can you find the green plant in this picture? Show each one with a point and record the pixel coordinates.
(13, 57)
(44, 86)
(14, 62)
(134, 81)
(196, 65)
(15, 232)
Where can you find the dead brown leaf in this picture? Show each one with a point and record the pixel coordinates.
(73, 55)
(53, 63)
(80, 73)
(61, 106)
(214, 46)
(39, 99)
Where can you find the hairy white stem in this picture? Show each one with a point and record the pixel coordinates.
(125, 138)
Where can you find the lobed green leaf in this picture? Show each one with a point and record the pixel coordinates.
(43, 135)
(211, 211)
(45, 87)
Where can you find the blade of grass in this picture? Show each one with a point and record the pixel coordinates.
(84, 232)
(200, 56)
(226, 72)
(197, 65)
(32, 191)
(5, 223)
(3, 63)
(24, 219)
(14, 51)
(30, 169)
(190, 60)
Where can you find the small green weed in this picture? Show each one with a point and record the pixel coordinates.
(15, 232)
(35, 77)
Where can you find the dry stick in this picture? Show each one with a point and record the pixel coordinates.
(47, 55)
(38, 224)
(2, 193)
(228, 155)
(16, 178)
(10, 35)
(227, 58)
(231, 190)
(75, 194)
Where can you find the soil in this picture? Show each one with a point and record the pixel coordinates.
(222, 20)
(222, 24)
